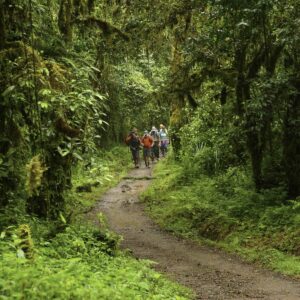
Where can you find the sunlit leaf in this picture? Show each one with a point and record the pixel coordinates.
(8, 90)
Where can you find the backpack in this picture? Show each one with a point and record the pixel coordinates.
(163, 135)
(154, 135)
(132, 140)
(128, 139)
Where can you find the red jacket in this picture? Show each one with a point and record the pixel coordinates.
(147, 141)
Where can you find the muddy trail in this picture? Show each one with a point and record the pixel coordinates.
(211, 273)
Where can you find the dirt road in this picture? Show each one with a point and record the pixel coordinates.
(211, 273)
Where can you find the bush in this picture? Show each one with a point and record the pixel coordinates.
(226, 209)
(78, 264)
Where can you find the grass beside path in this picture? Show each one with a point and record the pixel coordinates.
(56, 260)
(98, 174)
(225, 212)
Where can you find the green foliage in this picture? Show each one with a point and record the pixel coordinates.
(134, 88)
(77, 75)
(25, 246)
(223, 210)
(35, 172)
(57, 114)
(211, 137)
(77, 264)
(75, 260)
(101, 171)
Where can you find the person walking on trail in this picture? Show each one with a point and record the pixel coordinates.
(164, 140)
(134, 142)
(147, 142)
(156, 143)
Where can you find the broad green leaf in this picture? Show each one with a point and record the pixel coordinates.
(8, 90)
(43, 104)
(20, 253)
(62, 218)
(2, 235)
(77, 156)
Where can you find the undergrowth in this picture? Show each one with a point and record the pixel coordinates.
(80, 263)
(71, 259)
(224, 210)
(93, 177)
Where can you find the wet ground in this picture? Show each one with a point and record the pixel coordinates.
(211, 273)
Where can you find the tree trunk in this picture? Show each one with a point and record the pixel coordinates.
(2, 27)
(256, 154)
(256, 137)
(291, 145)
(239, 62)
(243, 95)
(254, 143)
(176, 123)
(65, 20)
(91, 5)
(50, 202)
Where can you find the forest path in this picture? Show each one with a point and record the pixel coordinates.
(211, 273)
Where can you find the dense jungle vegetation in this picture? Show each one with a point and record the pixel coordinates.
(76, 75)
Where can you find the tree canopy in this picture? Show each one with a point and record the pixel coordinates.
(77, 75)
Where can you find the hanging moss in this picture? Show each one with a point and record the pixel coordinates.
(17, 49)
(57, 75)
(63, 127)
(35, 171)
(106, 27)
(26, 243)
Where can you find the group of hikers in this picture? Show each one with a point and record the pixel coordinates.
(153, 144)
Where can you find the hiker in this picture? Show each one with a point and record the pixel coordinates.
(164, 140)
(133, 141)
(147, 142)
(156, 143)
